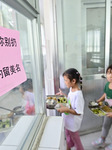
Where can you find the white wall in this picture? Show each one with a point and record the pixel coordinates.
(72, 33)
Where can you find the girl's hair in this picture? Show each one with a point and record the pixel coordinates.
(27, 85)
(109, 67)
(73, 74)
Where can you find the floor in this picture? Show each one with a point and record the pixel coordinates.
(87, 139)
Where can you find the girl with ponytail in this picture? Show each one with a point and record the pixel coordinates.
(73, 120)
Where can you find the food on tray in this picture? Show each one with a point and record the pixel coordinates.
(59, 101)
(54, 98)
(98, 111)
(51, 102)
(100, 103)
(58, 98)
(93, 103)
(106, 108)
(49, 97)
(5, 123)
(62, 100)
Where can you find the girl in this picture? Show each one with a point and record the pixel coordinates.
(73, 119)
(107, 96)
(26, 90)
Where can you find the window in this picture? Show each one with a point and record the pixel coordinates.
(25, 99)
(93, 40)
(93, 47)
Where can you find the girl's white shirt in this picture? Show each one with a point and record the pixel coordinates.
(73, 122)
(29, 96)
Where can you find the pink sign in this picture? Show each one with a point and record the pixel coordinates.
(11, 68)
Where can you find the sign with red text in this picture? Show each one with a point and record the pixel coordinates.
(11, 68)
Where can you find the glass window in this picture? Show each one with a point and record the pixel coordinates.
(95, 36)
(21, 100)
